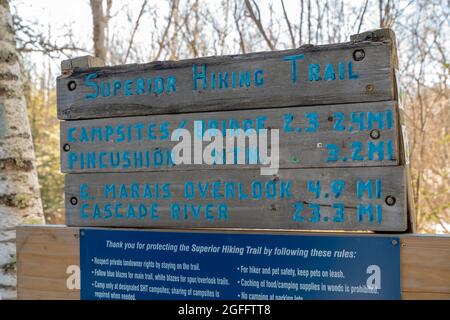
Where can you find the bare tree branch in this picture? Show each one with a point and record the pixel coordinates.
(191, 36)
(257, 21)
(133, 33)
(300, 28)
(30, 39)
(286, 18)
(362, 16)
(309, 21)
(174, 7)
(237, 17)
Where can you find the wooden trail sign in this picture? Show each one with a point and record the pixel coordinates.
(363, 134)
(341, 163)
(371, 198)
(357, 71)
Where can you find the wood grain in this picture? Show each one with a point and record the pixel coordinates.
(45, 252)
(374, 82)
(43, 256)
(301, 144)
(426, 255)
(81, 62)
(235, 201)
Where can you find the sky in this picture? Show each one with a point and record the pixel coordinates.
(54, 16)
(77, 13)
(58, 13)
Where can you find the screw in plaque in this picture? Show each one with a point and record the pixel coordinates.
(66, 147)
(375, 134)
(394, 242)
(72, 85)
(73, 201)
(358, 55)
(390, 200)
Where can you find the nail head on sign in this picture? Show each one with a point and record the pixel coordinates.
(358, 55)
(370, 88)
(390, 200)
(66, 147)
(375, 134)
(73, 201)
(72, 85)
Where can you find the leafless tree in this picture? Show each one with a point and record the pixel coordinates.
(289, 26)
(238, 17)
(135, 28)
(255, 15)
(173, 16)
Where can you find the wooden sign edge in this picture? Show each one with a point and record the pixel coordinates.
(214, 59)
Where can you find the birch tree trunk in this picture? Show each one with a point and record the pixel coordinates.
(19, 189)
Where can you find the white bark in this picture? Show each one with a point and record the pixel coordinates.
(19, 190)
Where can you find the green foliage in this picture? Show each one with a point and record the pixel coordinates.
(45, 130)
(20, 200)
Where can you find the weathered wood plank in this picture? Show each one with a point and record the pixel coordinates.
(404, 153)
(425, 296)
(426, 255)
(323, 74)
(424, 262)
(291, 199)
(381, 34)
(81, 62)
(44, 255)
(307, 138)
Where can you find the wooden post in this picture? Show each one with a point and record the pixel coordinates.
(80, 62)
